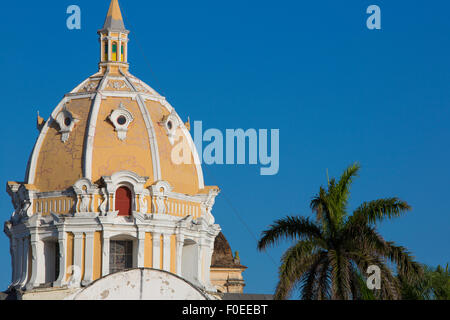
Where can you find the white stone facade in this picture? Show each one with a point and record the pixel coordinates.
(37, 231)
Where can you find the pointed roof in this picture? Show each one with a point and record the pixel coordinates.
(114, 20)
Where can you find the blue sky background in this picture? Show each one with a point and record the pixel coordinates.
(338, 92)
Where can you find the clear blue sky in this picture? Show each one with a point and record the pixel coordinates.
(338, 92)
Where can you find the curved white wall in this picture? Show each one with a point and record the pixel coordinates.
(140, 284)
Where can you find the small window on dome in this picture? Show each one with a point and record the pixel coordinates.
(169, 125)
(68, 121)
(122, 120)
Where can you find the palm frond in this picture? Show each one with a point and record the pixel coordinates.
(340, 270)
(296, 261)
(324, 209)
(311, 284)
(406, 265)
(323, 282)
(292, 228)
(343, 186)
(378, 210)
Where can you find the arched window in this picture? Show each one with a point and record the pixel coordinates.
(123, 201)
(114, 51)
(121, 53)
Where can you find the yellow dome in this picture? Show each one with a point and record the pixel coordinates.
(93, 147)
(113, 122)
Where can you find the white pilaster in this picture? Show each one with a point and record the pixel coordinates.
(105, 254)
(113, 202)
(19, 264)
(180, 244)
(77, 255)
(13, 250)
(156, 250)
(102, 49)
(209, 249)
(198, 270)
(109, 48)
(119, 49)
(141, 249)
(89, 259)
(166, 252)
(25, 248)
(62, 242)
(37, 260)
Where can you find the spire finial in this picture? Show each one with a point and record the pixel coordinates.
(114, 20)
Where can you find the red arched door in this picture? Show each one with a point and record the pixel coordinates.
(123, 201)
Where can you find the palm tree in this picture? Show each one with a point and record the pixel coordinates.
(433, 285)
(331, 255)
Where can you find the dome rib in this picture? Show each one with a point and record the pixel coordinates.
(91, 126)
(30, 175)
(150, 131)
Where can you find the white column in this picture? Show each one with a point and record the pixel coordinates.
(141, 249)
(102, 49)
(125, 48)
(198, 270)
(77, 255)
(13, 251)
(113, 202)
(25, 248)
(19, 251)
(89, 259)
(156, 250)
(62, 242)
(208, 257)
(37, 268)
(166, 252)
(180, 244)
(109, 49)
(119, 49)
(105, 254)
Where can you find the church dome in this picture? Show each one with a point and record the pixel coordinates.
(112, 122)
(114, 183)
